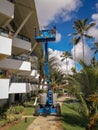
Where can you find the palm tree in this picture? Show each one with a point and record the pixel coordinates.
(65, 56)
(75, 42)
(41, 66)
(86, 88)
(53, 61)
(81, 27)
(95, 47)
(94, 61)
(56, 77)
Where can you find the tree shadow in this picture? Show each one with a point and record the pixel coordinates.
(74, 120)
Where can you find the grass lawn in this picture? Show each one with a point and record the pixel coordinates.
(71, 119)
(22, 125)
(28, 111)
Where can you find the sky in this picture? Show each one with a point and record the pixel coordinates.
(62, 14)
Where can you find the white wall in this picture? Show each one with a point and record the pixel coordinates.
(5, 45)
(19, 43)
(12, 64)
(7, 8)
(4, 85)
(19, 88)
(25, 66)
(33, 73)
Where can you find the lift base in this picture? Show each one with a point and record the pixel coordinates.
(47, 110)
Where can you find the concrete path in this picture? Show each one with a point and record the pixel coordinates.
(47, 122)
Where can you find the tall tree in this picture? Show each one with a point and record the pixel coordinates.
(85, 86)
(81, 27)
(75, 42)
(94, 60)
(95, 48)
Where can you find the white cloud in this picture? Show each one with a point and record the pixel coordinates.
(94, 30)
(54, 10)
(64, 67)
(79, 53)
(95, 17)
(96, 6)
(58, 37)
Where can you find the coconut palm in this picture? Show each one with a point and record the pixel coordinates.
(65, 55)
(81, 27)
(75, 42)
(94, 60)
(56, 76)
(85, 86)
(95, 48)
(53, 61)
(41, 66)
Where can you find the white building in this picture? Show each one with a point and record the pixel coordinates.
(18, 19)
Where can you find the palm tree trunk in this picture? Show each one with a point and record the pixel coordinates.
(83, 48)
(66, 66)
(75, 56)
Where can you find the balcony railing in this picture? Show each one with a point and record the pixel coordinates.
(4, 32)
(12, 1)
(7, 33)
(22, 58)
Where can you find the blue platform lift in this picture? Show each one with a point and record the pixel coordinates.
(46, 36)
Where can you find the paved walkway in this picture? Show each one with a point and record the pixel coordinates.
(47, 122)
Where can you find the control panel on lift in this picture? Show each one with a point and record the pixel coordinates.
(45, 35)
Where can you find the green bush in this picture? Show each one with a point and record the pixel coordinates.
(2, 123)
(18, 109)
(28, 104)
(15, 110)
(60, 93)
(10, 115)
(11, 118)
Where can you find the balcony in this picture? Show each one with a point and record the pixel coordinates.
(33, 73)
(5, 45)
(19, 88)
(6, 12)
(34, 87)
(4, 85)
(14, 65)
(20, 45)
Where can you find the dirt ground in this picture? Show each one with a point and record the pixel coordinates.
(47, 122)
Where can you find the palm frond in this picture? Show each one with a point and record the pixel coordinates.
(88, 36)
(86, 109)
(74, 34)
(90, 26)
(85, 21)
(96, 44)
(76, 40)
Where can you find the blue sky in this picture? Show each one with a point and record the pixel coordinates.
(85, 11)
(62, 14)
